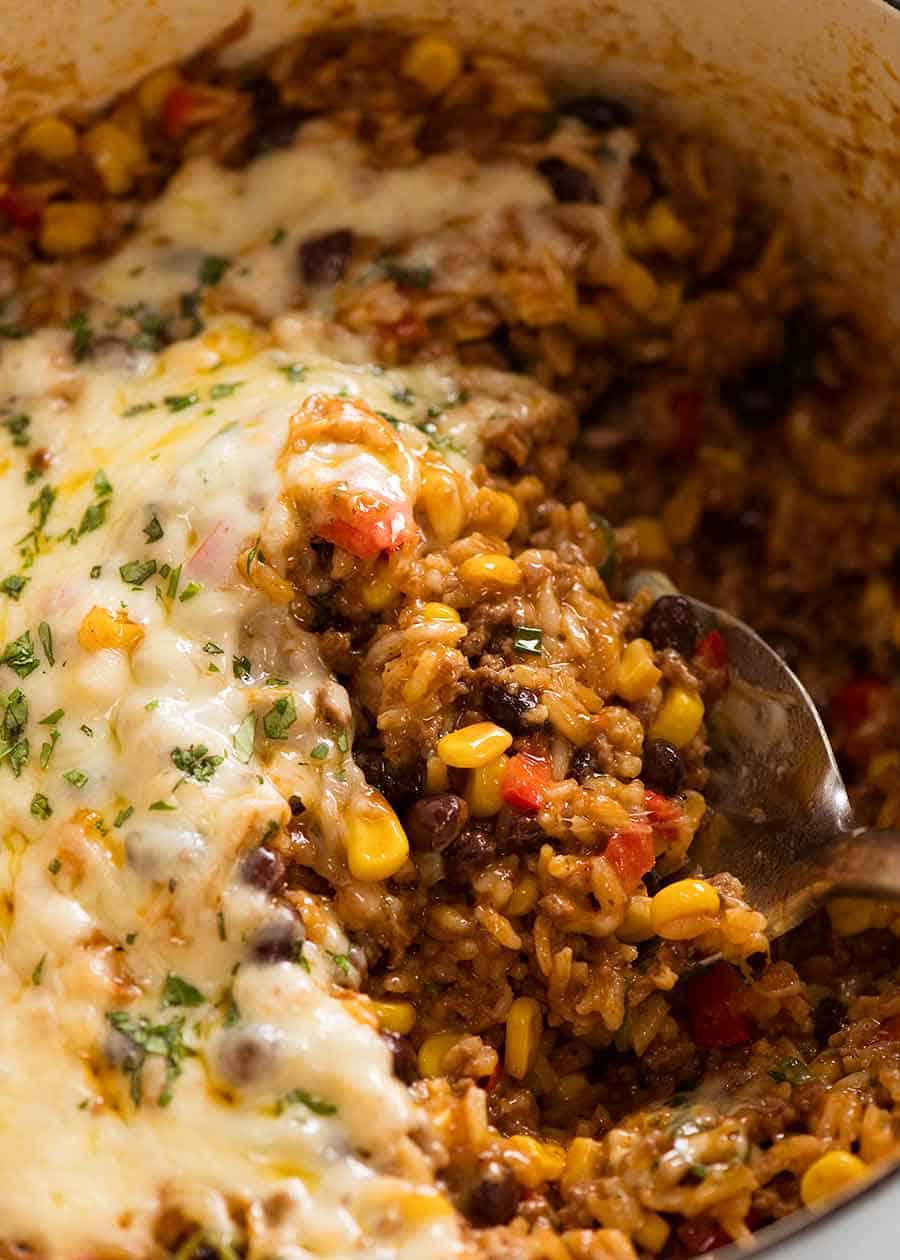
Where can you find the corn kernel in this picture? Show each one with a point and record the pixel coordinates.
(851, 915)
(694, 807)
(667, 232)
(582, 1161)
(117, 156)
(652, 543)
(524, 896)
(70, 226)
(680, 717)
(423, 1205)
(637, 675)
(440, 612)
(50, 138)
(498, 512)
(395, 1017)
(684, 909)
(442, 502)
(100, 629)
(491, 569)
(433, 63)
(524, 1025)
(637, 287)
(375, 840)
(534, 1162)
(379, 591)
(437, 777)
(153, 92)
(653, 1233)
(433, 1051)
(833, 1172)
(637, 925)
(473, 746)
(483, 794)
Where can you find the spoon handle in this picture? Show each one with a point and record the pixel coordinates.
(865, 862)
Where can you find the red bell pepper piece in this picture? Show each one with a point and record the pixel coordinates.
(702, 1234)
(367, 526)
(852, 704)
(712, 650)
(186, 106)
(631, 854)
(21, 211)
(663, 814)
(715, 998)
(687, 408)
(524, 782)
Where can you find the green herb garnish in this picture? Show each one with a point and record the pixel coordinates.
(280, 718)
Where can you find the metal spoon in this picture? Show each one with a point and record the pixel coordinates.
(780, 819)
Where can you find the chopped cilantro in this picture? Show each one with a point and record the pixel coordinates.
(224, 389)
(102, 487)
(14, 585)
(82, 336)
(341, 961)
(47, 750)
(153, 531)
(172, 585)
(130, 938)
(45, 635)
(342, 742)
(790, 1069)
(52, 718)
(244, 739)
(409, 277)
(529, 639)
(162, 806)
(192, 589)
(18, 428)
(94, 516)
(320, 751)
(213, 649)
(86, 730)
(220, 925)
(137, 409)
(280, 718)
(136, 572)
(123, 815)
(164, 1040)
(196, 762)
(278, 236)
(294, 371)
(54, 867)
(241, 667)
(391, 419)
(178, 992)
(403, 395)
(19, 655)
(37, 974)
(308, 1100)
(40, 806)
(180, 402)
(76, 777)
(212, 269)
(96, 570)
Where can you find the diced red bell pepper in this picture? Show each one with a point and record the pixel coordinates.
(663, 814)
(700, 1235)
(715, 998)
(21, 211)
(631, 854)
(185, 106)
(687, 409)
(852, 704)
(367, 526)
(712, 650)
(524, 783)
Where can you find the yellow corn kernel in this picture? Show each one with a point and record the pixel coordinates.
(379, 591)
(832, 1172)
(653, 1233)
(667, 232)
(473, 746)
(375, 840)
(422, 1205)
(442, 502)
(101, 629)
(498, 512)
(851, 915)
(684, 909)
(433, 1051)
(70, 226)
(437, 778)
(395, 1017)
(524, 896)
(524, 1025)
(490, 569)
(637, 287)
(50, 138)
(582, 1161)
(652, 543)
(117, 156)
(680, 717)
(694, 807)
(637, 675)
(440, 612)
(153, 91)
(534, 1162)
(433, 63)
(483, 794)
(637, 925)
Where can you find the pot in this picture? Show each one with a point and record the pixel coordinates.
(808, 92)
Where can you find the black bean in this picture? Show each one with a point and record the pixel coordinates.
(264, 94)
(297, 806)
(324, 259)
(400, 785)
(507, 706)
(598, 112)
(494, 1197)
(406, 1066)
(672, 622)
(582, 765)
(436, 821)
(662, 768)
(472, 849)
(515, 832)
(262, 868)
(569, 183)
(243, 1055)
(828, 1018)
(278, 941)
